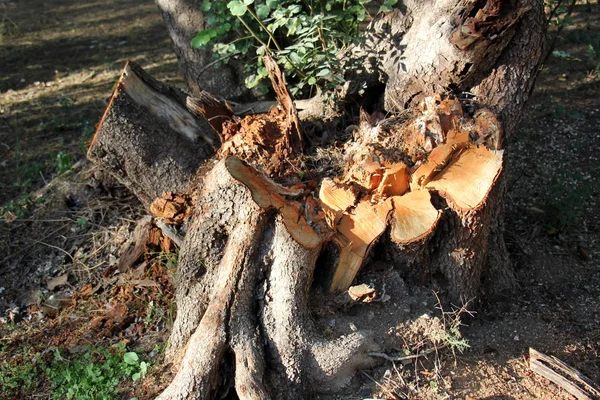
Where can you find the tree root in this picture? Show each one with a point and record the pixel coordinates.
(257, 308)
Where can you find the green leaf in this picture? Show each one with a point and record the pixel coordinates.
(312, 80)
(203, 38)
(143, 368)
(273, 4)
(131, 358)
(262, 11)
(248, 2)
(237, 8)
(387, 5)
(136, 376)
(205, 5)
(324, 72)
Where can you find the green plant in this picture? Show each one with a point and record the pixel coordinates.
(304, 37)
(94, 374)
(18, 378)
(64, 162)
(449, 334)
(19, 208)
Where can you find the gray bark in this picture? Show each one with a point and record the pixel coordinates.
(184, 20)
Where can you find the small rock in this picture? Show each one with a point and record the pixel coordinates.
(352, 327)
(516, 338)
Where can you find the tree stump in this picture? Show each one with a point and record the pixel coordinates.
(427, 190)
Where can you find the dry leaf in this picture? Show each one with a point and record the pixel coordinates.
(60, 280)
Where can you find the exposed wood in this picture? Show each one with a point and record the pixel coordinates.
(147, 139)
(286, 103)
(135, 247)
(356, 233)
(414, 217)
(297, 225)
(164, 108)
(436, 162)
(366, 173)
(395, 180)
(213, 110)
(172, 207)
(431, 175)
(469, 176)
(563, 375)
(336, 199)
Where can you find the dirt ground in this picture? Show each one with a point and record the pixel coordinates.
(63, 219)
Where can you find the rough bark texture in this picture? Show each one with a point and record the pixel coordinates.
(246, 265)
(184, 20)
(148, 139)
(254, 290)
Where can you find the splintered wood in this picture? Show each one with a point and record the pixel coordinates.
(270, 140)
(563, 375)
(388, 181)
(446, 156)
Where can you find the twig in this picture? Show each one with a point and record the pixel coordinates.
(563, 375)
(558, 32)
(409, 357)
(210, 64)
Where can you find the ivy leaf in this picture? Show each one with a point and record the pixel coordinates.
(312, 80)
(143, 368)
(387, 5)
(237, 8)
(324, 72)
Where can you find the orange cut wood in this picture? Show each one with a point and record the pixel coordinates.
(414, 217)
(469, 177)
(335, 200)
(264, 195)
(367, 174)
(436, 161)
(356, 233)
(395, 181)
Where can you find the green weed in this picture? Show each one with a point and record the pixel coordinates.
(19, 378)
(94, 374)
(64, 162)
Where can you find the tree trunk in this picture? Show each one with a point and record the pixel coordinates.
(426, 190)
(184, 20)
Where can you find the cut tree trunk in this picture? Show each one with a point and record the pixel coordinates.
(426, 190)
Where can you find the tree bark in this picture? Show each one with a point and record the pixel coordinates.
(427, 190)
(184, 20)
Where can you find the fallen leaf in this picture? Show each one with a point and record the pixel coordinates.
(60, 280)
(144, 283)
